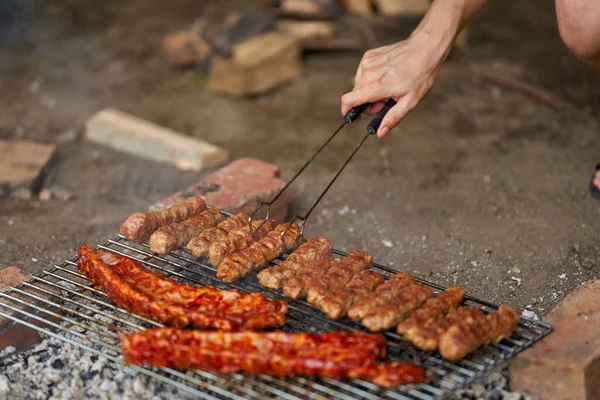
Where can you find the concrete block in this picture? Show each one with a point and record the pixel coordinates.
(23, 166)
(240, 186)
(136, 136)
(566, 364)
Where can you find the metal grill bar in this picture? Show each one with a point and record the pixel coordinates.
(80, 314)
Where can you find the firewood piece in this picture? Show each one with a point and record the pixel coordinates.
(256, 65)
(398, 7)
(304, 31)
(185, 48)
(360, 7)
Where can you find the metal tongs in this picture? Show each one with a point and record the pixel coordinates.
(349, 118)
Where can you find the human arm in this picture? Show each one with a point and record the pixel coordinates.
(406, 71)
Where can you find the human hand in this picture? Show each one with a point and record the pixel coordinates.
(404, 71)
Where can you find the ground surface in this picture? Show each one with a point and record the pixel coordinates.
(481, 185)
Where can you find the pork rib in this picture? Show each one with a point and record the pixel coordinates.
(172, 236)
(200, 245)
(339, 355)
(312, 249)
(152, 295)
(139, 226)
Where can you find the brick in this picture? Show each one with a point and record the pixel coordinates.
(10, 276)
(23, 166)
(566, 364)
(142, 138)
(239, 186)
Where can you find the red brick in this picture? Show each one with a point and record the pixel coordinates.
(566, 364)
(11, 276)
(240, 186)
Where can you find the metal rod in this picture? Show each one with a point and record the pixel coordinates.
(276, 197)
(336, 176)
(307, 163)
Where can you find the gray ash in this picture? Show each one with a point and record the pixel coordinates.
(57, 370)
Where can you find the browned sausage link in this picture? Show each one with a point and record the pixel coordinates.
(200, 244)
(463, 337)
(259, 254)
(238, 240)
(339, 275)
(433, 308)
(173, 236)
(426, 337)
(139, 226)
(366, 304)
(336, 303)
(297, 286)
(309, 251)
(390, 313)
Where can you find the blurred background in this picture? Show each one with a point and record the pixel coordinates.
(485, 183)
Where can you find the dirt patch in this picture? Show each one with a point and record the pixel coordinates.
(480, 186)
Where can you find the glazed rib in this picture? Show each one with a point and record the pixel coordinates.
(366, 304)
(312, 249)
(172, 236)
(238, 239)
(336, 304)
(152, 295)
(338, 355)
(297, 287)
(433, 308)
(259, 254)
(394, 310)
(200, 244)
(139, 226)
(338, 275)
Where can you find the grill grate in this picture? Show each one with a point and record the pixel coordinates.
(63, 304)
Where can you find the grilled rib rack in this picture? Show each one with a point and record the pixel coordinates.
(63, 304)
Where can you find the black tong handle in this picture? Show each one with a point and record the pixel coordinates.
(376, 121)
(354, 113)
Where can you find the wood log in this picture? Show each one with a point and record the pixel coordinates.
(402, 7)
(360, 7)
(256, 65)
(304, 31)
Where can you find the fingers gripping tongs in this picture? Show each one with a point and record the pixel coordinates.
(349, 118)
